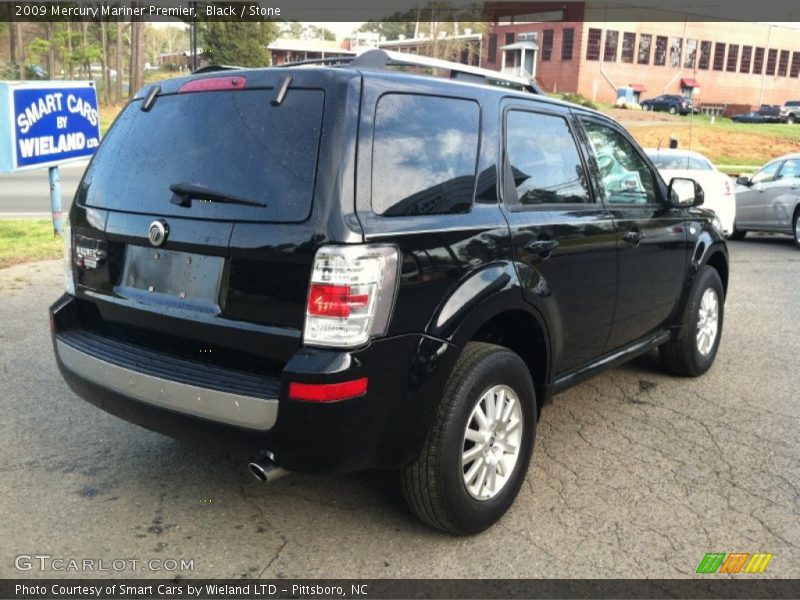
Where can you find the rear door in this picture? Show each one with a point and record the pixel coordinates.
(650, 234)
(563, 239)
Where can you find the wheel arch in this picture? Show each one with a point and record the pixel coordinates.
(488, 306)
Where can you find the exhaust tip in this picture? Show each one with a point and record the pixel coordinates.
(258, 472)
(266, 470)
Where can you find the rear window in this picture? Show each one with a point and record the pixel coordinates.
(424, 155)
(236, 143)
(680, 161)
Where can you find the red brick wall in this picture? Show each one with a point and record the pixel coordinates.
(599, 79)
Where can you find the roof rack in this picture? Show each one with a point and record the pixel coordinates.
(380, 59)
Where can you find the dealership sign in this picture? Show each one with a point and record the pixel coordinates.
(48, 123)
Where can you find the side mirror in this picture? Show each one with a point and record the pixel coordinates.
(685, 192)
(744, 180)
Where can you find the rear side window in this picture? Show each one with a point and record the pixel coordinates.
(543, 160)
(424, 155)
(236, 143)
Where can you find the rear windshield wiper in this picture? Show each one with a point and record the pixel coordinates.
(186, 192)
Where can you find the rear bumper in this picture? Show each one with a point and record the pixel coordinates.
(383, 428)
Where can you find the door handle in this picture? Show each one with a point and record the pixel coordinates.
(541, 246)
(633, 237)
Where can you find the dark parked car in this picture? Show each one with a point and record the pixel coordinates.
(749, 117)
(315, 266)
(671, 103)
(770, 199)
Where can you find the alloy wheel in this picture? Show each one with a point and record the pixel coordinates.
(492, 441)
(707, 322)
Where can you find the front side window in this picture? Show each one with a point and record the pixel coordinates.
(543, 160)
(790, 169)
(423, 163)
(626, 177)
(767, 173)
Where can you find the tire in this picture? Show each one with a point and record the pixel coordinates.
(434, 484)
(647, 107)
(672, 110)
(737, 234)
(791, 120)
(690, 354)
(796, 227)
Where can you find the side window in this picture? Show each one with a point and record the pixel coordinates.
(543, 160)
(625, 175)
(424, 155)
(790, 169)
(767, 173)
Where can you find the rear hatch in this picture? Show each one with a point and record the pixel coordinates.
(233, 174)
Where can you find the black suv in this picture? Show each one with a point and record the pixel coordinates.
(670, 103)
(347, 267)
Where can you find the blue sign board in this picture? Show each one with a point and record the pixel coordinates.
(48, 123)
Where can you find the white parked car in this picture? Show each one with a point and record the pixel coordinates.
(718, 187)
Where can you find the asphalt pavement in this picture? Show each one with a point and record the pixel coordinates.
(634, 474)
(27, 193)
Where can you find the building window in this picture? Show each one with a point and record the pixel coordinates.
(758, 61)
(509, 38)
(628, 45)
(567, 40)
(795, 70)
(733, 56)
(783, 65)
(772, 58)
(492, 52)
(547, 44)
(644, 49)
(691, 54)
(747, 53)
(593, 44)
(610, 53)
(719, 56)
(675, 52)
(661, 51)
(705, 55)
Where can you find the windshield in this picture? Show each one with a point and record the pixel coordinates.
(680, 161)
(235, 143)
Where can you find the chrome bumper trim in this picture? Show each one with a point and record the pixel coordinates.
(223, 407)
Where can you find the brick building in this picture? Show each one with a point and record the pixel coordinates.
(577, 50)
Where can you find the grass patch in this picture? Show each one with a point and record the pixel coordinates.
(26, 240)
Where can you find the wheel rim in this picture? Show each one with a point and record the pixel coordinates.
(707, 322)
(491, 444)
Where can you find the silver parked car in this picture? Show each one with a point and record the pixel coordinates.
(769, 200)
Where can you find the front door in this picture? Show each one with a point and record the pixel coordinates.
(783, 197)
(563, 239)
(650, 233)
(751, 201)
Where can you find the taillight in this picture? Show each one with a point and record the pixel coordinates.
(69, 276)
(351, 294)
(213, 84)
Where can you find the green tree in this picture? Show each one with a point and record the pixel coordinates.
(238, 43)
(391, 30)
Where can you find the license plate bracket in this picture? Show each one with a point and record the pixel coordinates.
(181, 279)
